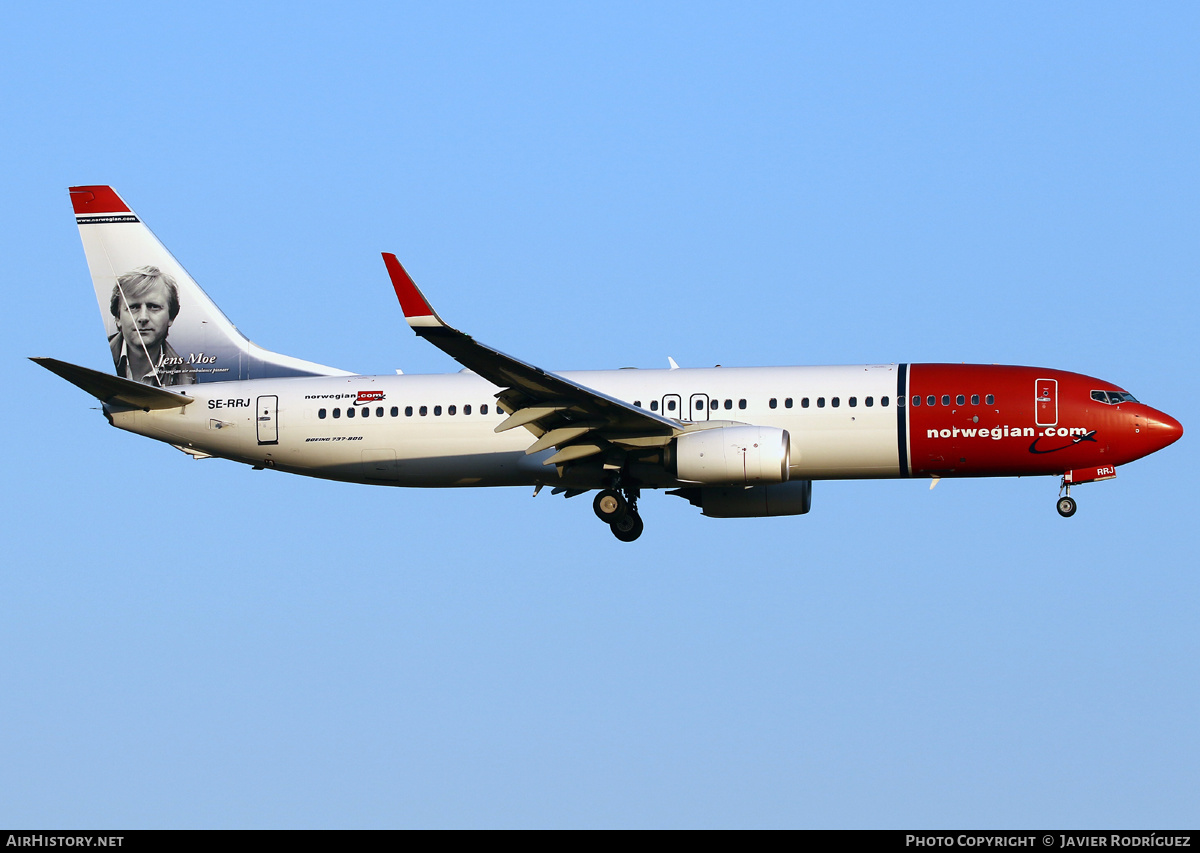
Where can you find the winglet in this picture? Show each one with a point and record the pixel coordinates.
(415, 306)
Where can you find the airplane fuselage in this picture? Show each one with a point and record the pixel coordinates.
(852, 421)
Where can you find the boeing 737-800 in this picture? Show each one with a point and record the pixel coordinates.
(736, 442)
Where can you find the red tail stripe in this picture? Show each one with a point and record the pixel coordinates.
(97, 200)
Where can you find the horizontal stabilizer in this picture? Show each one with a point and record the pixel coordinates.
(115, 389)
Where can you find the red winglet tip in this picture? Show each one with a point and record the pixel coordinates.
(412, 303)
(97, 199)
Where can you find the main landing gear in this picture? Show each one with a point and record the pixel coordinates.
(1066, 504)
(617, 508)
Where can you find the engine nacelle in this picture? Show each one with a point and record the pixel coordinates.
(734, 455)
(791, 498)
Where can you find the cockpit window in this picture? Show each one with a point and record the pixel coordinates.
(1113, 398)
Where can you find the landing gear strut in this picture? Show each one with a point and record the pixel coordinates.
(1066, 504)
(617, 507)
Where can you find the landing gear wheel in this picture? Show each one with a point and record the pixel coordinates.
(610, 507)
(1066, 506)
(628, 528)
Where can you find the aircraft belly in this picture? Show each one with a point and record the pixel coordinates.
(419, 455)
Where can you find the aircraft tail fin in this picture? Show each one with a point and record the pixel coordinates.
(162, 328)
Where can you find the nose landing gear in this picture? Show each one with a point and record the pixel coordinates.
(1066, 504)
(617, 507)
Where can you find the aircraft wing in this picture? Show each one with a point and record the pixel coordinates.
(108, 388)
(579, 421)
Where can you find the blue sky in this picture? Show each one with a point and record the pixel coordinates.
(194, 644)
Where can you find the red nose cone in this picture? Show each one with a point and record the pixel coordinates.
(1164, 429)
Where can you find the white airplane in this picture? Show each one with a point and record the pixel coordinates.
(736, 442)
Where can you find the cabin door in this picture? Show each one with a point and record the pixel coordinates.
(1046, 402)
(266, 416)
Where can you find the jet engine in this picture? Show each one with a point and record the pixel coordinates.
(791, 498)
(733, 455)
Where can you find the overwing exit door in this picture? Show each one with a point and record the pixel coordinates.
(1046, 402)
(266, 416)
(698, 407)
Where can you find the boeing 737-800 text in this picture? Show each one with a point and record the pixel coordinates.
(736, 442)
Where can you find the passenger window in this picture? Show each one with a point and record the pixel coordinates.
(379, 411)
(337, 413)
(395, 411)
(408, 411)
(366, 412)
(835, 402)
(349, 412)
(321, 414)
(804, 402)
(916, 400)
(820, 402)
(931, 400)
(787, 404)
(467, 409)
(483, 409)
(437, 411)
(729, 404)
(774, 404)
(654, 405)
(453, 410)
(990, 399)
(960, 400)
(974, 399)
(945, 399)
(741, 404)
(714, 404)
(883, 401)
(853, 401)
(670, 405)
(870, 401)
(637, 403)
(424, 410)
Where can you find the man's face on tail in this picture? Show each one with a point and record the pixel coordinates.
(145, 319)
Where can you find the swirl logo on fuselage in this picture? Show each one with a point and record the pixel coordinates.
(1088, 436)
(368, 397)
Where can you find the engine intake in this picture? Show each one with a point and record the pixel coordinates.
(734, 455)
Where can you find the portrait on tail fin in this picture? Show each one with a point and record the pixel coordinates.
(144, 305)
